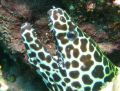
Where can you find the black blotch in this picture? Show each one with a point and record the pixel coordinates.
(69, 89)
(60, 27)
(74, 74)
(105, 62)
(50, 86)
(75, 64)
(109, 77)
(107, 70)
(71, 26)
(86, 79)
(32, 54)
(55, 87)
(80, 32)
(76, 53)
(76, 84)
(63, 72)
(45, 67)
(83, 46)
(97, 86)
(54, 65)
(98, 71)
(87, 89)
(56, 77)
(48, 58)
(28, 37)
(66, 15)
(63, 83)
(26, 46)
(60, 87)
(62, 19)
(67, 80)
(44, 75)
(76, 42)
(41, 56)
(97, 57)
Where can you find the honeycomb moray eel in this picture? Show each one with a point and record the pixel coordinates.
(80, 65)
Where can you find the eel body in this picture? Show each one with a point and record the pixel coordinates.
(80, 64)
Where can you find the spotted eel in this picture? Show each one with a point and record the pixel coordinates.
(78, 65)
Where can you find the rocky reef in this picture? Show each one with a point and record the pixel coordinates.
(99, 19)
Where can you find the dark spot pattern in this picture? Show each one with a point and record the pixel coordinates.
(91, 46)
(98, 71)
(83, 45)
(107, 70)
(87, 89)
(50, 86)
(47, 73)
(109, 78)
(26, 46)
(60, 87)
(97, 86)
(76, 84)
(87, 80)
(55, 16)
(86, 59)
(60, 11)
(28, 37)
(105, 62)
(80, 32)
(50, 79)
(97, 57)
(56, 77)
(55, 87)
(61, 36)
(60, 49)
(23, 38)
(41, 56)
(63, 72)
(75, 64)
(34, 35)
(69, 89)
(62, 19)
(67, 65)
(71, 26)
(35, 62)
(74, 74)
(60, 27)
(76, 53)
(76, 42)
(68, 49)
(48, 59)
(66, 16)
(54, 65)
(26, 27)
(67, 80)
(44, 75)
(43, 66)
(37, 46)
(64, 84)
(32, 54)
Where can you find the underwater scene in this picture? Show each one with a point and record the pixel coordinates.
(59, 45)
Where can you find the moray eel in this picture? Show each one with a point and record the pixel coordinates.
(80, 64)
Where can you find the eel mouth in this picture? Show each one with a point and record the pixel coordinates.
(57, 57)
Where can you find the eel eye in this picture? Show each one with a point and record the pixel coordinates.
(72, 35)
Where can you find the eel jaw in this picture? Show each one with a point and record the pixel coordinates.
(57, 56)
